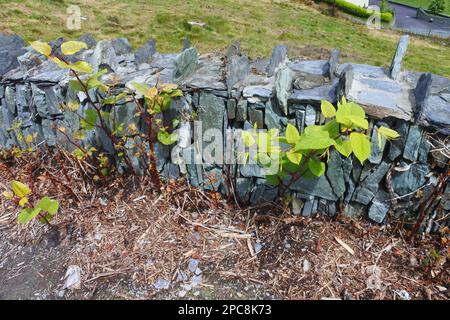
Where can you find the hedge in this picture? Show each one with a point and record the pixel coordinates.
(359, 11)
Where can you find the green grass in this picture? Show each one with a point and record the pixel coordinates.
(424, 4)
(258, 24)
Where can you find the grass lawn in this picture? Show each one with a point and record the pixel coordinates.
(259, 24)
(424, 4)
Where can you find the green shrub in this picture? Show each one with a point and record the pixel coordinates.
(359, 11)
(436, 6)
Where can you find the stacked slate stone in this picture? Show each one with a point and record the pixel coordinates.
(233, 93)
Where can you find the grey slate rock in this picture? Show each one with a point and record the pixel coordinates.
(89, 39)
(283, 87)
(369, 187)
(241, 110)
(263, 192)
(412, 143)
(238, 68)
(104, 56)
(335, 173)
(317, 68)
(333, 63)
(408, 181)
(300, 117)
(11, 47)
(376, 153)
(307, 81)
(185, 64)
(192, 158)
(231, 108)
(145, 53)
(396, 146)
(310, 207)
(400, 53)
(121, 46)
(424, 149)
(272, 119)
(433, 102)
(257, 91)
(310, 116)
(10, 99)
(256, 116)
(445, 201)
(318, 187)
(234, 49)
(279, 54)
(187, 43)
(243, 189)
(315, 95)
(379, 207)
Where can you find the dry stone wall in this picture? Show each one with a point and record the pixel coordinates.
(231, 92)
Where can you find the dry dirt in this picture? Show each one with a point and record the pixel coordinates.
(128, 240)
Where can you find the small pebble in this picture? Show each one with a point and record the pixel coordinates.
(193, 264)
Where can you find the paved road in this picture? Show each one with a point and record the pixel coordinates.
(406, 19)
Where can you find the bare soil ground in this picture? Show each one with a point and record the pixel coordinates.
(134, 243)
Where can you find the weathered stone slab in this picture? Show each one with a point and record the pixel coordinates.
(185, 64)
(369, 187)
(313, 68)
(209, 74)
(379, 207)
(241, 110)
(412, 143)
(104, 57)
(433, 101)
(318, 187)
(283, 87)
(11, 47)
(145, 54)
(238, 68)
(315, 95)
(335, 173)
(400, 53)
(380, 96)
(279, 54)
(408, 181)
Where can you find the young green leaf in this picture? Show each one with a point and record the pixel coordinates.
(388, 133)
(42, 48)
(23, 202)
(140, 88)
(81, 66)
(360, 146)
(294, 157)
(316, 167)
(292, 134)
(71, 47)
(90, 120)
(359, 122)
(344, 147)
(28, 214)
(328, 109)
(20, 190)
(166, 138)
(75, 86)
(49, 205)
(314, 141)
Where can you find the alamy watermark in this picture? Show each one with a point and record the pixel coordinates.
(73, 21)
